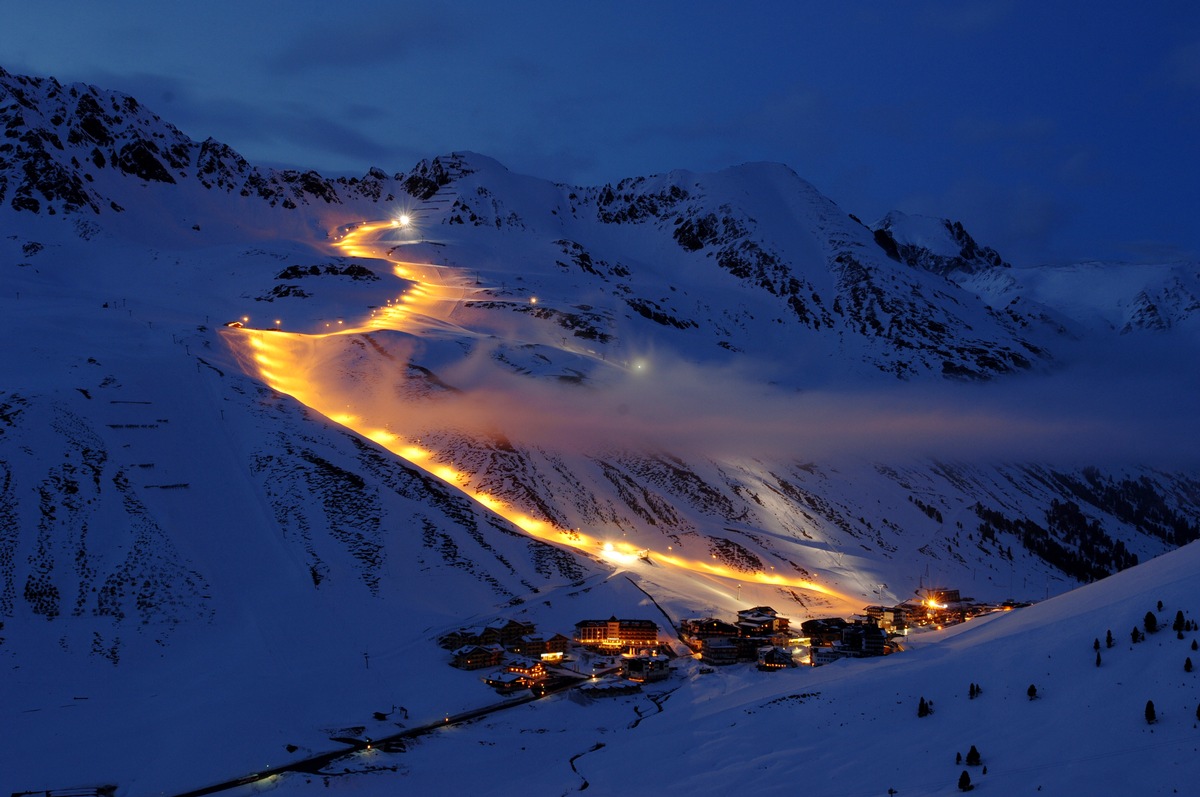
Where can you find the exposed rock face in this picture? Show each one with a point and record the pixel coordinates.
(938, 245)
(59, 141)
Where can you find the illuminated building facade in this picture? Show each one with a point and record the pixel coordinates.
(613, 635)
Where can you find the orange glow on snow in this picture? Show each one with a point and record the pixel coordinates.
(279, 359)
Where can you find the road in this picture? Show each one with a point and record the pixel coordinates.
(314, 764)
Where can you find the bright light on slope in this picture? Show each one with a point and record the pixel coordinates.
(285, 352)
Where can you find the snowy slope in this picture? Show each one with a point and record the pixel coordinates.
(725, 370)
(852, 728)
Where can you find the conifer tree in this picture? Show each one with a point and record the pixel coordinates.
(1097, 658)
(1031, 691)
(973, 759)
(1187, 664)
(1150, 622)
(1150, 715)
(1194, 645)
(922, 708)
(1179, 621)
(1134, 635)
(964, 782)
(958, 758)
(1108, 640)
(1096, 643)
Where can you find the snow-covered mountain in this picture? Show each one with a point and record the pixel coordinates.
(266, 527)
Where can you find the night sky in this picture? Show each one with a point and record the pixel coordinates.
(1054, 131)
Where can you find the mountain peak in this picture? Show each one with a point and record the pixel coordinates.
(938, 245)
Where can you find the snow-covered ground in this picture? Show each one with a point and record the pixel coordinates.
(216, 556)
(852, 728)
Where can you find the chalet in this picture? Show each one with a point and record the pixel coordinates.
(613, 635)
(462, 636)
(475, 657)
(504, 681)
(528, 645)
(647, 669)
(860, 640)
(557, 644)
(894, 620)
(709, 627)
(824, 631)
(512, 630)
(531, 671)
(518, 674)
(498, 632)
(774, 658)
(719, 651)
(761, 621)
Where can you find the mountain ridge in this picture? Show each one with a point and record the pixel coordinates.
(661, 363)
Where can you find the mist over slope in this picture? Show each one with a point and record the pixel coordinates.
(723, 369)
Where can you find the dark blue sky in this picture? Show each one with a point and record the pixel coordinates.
(1052, 130)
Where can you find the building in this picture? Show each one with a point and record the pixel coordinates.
(557, 644)
(462, 636)
(719, 651)
(497, 632)
(761, 621)
(647, 669)
(860, 640)
(774, 658)
(892, 619)
(528, 645)
(823, 631)
(518, 674)
(530, 670)
(709, 627)
(504, 681)
(827, 655)
(613, 635)
(475, 657)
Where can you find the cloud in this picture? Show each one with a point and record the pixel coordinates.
(1124, 403)
(359, 39)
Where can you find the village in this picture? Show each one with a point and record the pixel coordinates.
(618, 655)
